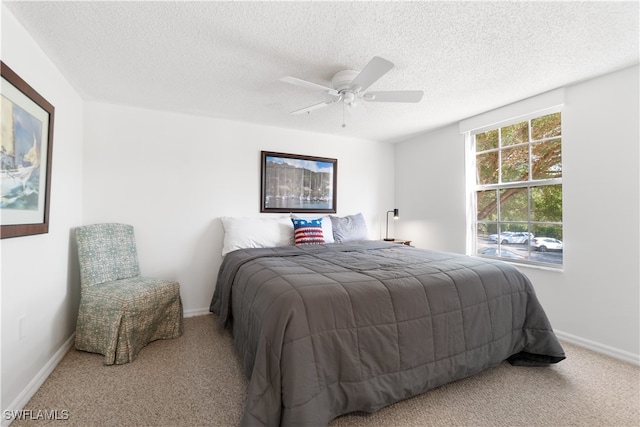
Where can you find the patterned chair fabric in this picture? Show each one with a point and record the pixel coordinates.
(121, 312)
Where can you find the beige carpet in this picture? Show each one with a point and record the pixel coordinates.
(196, 380)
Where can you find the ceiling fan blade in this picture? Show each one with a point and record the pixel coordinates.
(309, 85)
(313, 107)
(375, 69)
(394, 96)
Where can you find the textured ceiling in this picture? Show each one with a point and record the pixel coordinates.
(224, 59)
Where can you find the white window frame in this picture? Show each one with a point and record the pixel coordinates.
(541, 105)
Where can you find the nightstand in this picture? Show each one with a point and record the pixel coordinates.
(399, 241)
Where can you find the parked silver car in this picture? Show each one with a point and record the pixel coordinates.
(497, 237)
(507, 237)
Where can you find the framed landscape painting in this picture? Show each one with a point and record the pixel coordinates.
(297, 183)
(26, 145)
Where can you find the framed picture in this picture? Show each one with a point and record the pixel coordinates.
(295, 183)
(26, 144)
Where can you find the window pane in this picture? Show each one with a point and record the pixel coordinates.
(515, 164)
(486, 205)
(546, 126)
(515, 134)
(484, 230)
(487, 140)
(514, 205)
(546, 203)
(487, 168)
(513, 234)
(547, 230)
(547, 247)
(546, 159)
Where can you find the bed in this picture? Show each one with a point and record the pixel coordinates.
(327, 329)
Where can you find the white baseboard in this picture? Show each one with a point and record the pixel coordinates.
(616, 353)
(37, 381)
(196, 312)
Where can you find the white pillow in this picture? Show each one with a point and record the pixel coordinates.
(327, 227)
(244, 233)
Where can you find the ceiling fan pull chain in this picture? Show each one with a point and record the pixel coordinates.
(343, 124)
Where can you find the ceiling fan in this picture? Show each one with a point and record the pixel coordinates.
(350, 86)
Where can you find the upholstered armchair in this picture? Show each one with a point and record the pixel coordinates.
(120, 311)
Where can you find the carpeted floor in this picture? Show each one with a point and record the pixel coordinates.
(195, 380)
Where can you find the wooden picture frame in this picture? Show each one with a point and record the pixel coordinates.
(26, 145)
(298, 183)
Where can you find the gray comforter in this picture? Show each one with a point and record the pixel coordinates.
(323, 330)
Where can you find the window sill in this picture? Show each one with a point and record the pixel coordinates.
(559, 269)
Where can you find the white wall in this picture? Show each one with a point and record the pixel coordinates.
(430, 190)
(39, 282)
(173, 176)
(595, 301)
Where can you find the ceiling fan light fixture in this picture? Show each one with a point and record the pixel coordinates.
(349, 98)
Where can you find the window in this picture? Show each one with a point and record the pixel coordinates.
(516, 191)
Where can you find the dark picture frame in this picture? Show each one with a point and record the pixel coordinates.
(298, 183)
(26, 145)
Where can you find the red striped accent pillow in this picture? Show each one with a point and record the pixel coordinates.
(307, 231)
